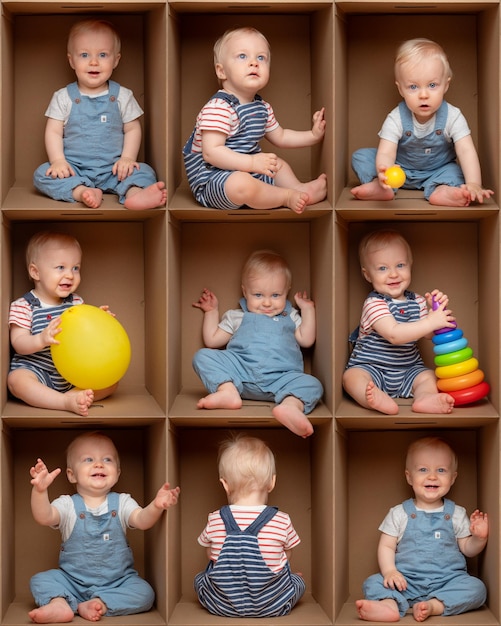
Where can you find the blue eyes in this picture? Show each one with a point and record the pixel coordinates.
(273, 295)
(430, 86)
(425, 470)
(101, 55)
(260, 57)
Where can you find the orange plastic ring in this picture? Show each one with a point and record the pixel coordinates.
(470, 395)
(460, 382)
(458, 369)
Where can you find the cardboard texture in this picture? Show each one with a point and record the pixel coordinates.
(150, 266)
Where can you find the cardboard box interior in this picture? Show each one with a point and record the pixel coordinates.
(448, 256)
(35, 548)
(306, 246)
(154, 271)
(116, 257)
(30, 78)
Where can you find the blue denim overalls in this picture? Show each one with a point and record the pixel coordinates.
(93, 142)
(429, 557)
(428, 161)
(240, 583)
(262, 359)
(95, 562)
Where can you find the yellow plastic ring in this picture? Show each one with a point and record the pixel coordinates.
(458, 369)
(461, 382)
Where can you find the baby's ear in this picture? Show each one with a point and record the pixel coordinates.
(70, 475)
(272, 483)
(366, 275)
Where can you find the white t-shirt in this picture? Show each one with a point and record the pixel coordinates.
(456, 126)
(60, 105)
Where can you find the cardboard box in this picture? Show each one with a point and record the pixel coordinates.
(150, 266)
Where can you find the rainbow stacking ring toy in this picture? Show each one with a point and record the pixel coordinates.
(457, 369)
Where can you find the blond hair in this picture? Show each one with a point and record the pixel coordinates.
(91, 436)
(44, 239)
(244, 30)
(414, 51)
(379, 239)
(433, 443)
(265, 262)
(93, 26)
(246, 464)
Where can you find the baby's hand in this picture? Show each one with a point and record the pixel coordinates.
(303, 301)
(265, 163)
(207, 301)
(477, 193)
(479, 524)
(395, 580)
(49, 333)
(124, 168)
(60, 169)
(106, 308)
(41, 479)
(381, 175)
(319, 123)
(166, 496)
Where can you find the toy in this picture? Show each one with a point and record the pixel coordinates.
(395, 176)
(94, 349)
(457, 369)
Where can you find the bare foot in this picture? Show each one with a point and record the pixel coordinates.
(423, 610)
(378, 610)
(444, 195)
(290, 414)
(57, 611)
(316, 189)
(151, 197)
(92, 610)
(433, 403)
(379, 400)
(296, 200)
(372, 191)
(79, 400)
(226, 397)
(90, 196)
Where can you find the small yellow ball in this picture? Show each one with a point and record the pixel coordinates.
(395, 176)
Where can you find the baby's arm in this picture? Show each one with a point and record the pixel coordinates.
(24, 342)
(385, 158)
(307, 330)
(479, 528)
(59, 166)
(287, 138)
(43, 511)
(144, 518)
(127, 163)
(213, 336)
(399, 333)
(386, 558)
(470, 165)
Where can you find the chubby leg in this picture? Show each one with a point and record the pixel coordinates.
(378, 610)
(427, 398)
(243, 189)
(290, 413)
(24, 385)
(359, 384)
(57, 611)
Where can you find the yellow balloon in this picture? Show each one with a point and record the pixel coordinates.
(94, 349)
(395, 176)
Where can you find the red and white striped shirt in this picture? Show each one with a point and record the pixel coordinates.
(277, 536)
